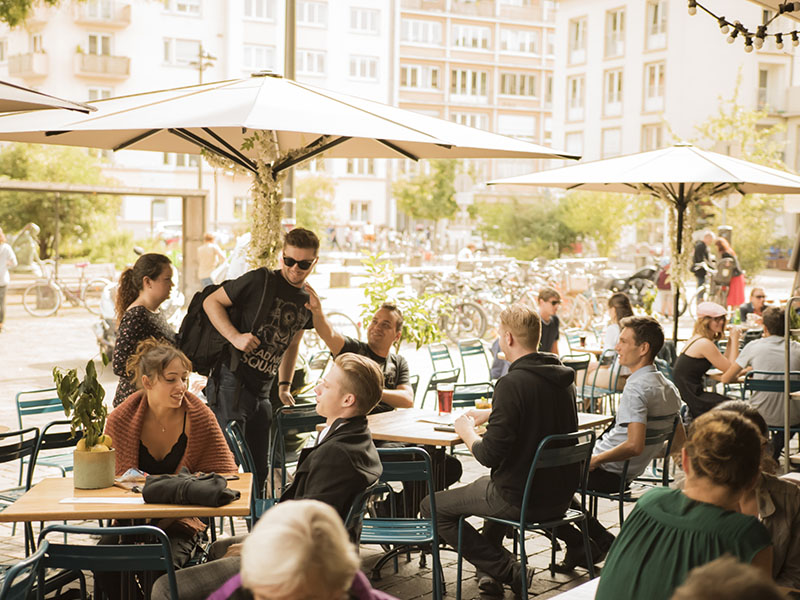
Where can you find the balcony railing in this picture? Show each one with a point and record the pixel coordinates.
(436, 5)
(31, 65)
(108, 67)
(106, 14)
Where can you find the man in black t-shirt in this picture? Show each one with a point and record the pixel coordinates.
(271, 348)
(549, 300)
(383, 331)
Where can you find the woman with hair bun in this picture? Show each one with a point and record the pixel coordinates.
(669, 532)
(142, 289)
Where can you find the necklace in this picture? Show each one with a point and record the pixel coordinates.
(158, 422)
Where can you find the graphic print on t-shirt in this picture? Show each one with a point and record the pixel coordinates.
(284, 320)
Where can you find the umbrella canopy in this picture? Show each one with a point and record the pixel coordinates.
(680, 174)
(305, 120)
(15, 98)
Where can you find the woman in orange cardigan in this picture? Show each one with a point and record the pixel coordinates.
(163, 427)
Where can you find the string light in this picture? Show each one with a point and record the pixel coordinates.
(756, 37)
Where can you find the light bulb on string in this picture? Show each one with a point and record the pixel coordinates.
(758, 43)
(723, 25)
(779, 41)
(732, 36)
(748, 44)
(692, 7)
(795, 40)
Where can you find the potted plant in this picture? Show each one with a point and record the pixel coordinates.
(94, 458)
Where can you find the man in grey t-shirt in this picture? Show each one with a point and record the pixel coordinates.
(648, 397)
(769, 354)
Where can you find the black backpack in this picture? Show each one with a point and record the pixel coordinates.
(202, 343)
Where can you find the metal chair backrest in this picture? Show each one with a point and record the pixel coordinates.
(37, 402)
(437, 377)
(19, 579)
(356, 513)
(150, 556)
(577, 362)
(573, 335)
(474, 347)
(241, 451)
(439, 352)
(657, 436)
(290, 420)
(15, 445)
(465, 394)
(757, 381)
(664, 367)
(413, 381)
(58, 439)
(409, 464)
(559, 451)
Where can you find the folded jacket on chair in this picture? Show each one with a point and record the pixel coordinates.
(205, 489)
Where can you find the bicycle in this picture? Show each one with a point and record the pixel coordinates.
(44, 297)
(716, 286)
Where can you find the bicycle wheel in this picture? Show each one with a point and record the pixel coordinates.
(42, 299)
(467, 320)
(344, 324)
(692, 304)
(93, 293)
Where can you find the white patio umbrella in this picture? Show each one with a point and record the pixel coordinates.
(680, 174)
(15, 98)
(305, 121)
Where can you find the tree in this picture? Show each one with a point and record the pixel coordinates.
(529, 229)
(431, 195)
(14, 12)
(314, 203)
(79, 217)
(597, 215)
(753, 219)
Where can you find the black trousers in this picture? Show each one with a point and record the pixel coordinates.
(600, 480)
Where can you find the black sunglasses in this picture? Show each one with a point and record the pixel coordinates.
(304, 265)
(759, 297)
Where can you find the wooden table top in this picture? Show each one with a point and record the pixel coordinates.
(45, 502)
(408, 425)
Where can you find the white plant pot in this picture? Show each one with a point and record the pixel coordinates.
(93, 470)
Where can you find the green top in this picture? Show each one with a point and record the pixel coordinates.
(666, 536)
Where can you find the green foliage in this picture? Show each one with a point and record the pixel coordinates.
(314, 203)
(597, 215)
(83, 399)
(14, 12)
(419, 318)
(528, 229)
(429, 196)
(80, 217)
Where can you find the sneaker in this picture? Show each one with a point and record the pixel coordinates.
(515, 581)
(576, 557)
(489, 586)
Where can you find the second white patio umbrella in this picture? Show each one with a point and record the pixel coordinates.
(15, 98)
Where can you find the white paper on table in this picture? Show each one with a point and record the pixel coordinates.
(131, 500)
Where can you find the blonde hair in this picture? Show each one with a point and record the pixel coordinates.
(524, 324)
(702, 327)
(727, 578)
(151, 358)
(290, 538)
(363, 378)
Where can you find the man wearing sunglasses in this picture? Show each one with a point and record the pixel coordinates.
(268, 348)
(755, 306)
(549, 301)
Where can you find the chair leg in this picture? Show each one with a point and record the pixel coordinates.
(458, 562)
(552, 552)
(587, 546)
(621, 509)
(523, 560)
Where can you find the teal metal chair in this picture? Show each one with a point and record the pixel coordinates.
(42, 402)
(465, 394)
(474, 351)
(290, 420)
(440, 356)
(437, 377)
(152, 555)
(664, 367)
(595, 392)
(19, 445)
(756, 381)
(578, 362)
(654, 436)
(401, 465)
(259, 504)
(19, 579)
(555, 452)
(413, 381)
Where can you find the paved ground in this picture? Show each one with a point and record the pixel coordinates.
(30, 348)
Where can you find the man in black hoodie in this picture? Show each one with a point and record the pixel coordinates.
(535, 399)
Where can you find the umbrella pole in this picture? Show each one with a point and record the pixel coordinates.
(681, 207)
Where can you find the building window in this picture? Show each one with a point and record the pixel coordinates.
(573, 142)
(3, 49)
(519, 40)
(470, 119)
(312, 13)
(365, 20)
(612, 142)
(37, 43)
(470, 36)
(99, 9)
(419, 77)
(158, 210)
(656, 26)
(181, 52)
(615, 33)
(100, 44)
(654, 87)
(548, 90)
(258, 58)
(519, 84)
(100, 93)
(466, 82)
(364, 68)
(518, 126)
(361, 166)
(310, 62)
(416, 31)
(240, 205)
(612, 95)
(359, 211)
(181, 159)
(263, 10)
(652, 137)
(187, 7)
(577, 41)
(575, 91)
(763, 87)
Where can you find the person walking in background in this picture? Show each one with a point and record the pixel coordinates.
(549, 299)
(736, 286)
(702, 257)
(8, 260)
(209, 257)
(142, 288)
